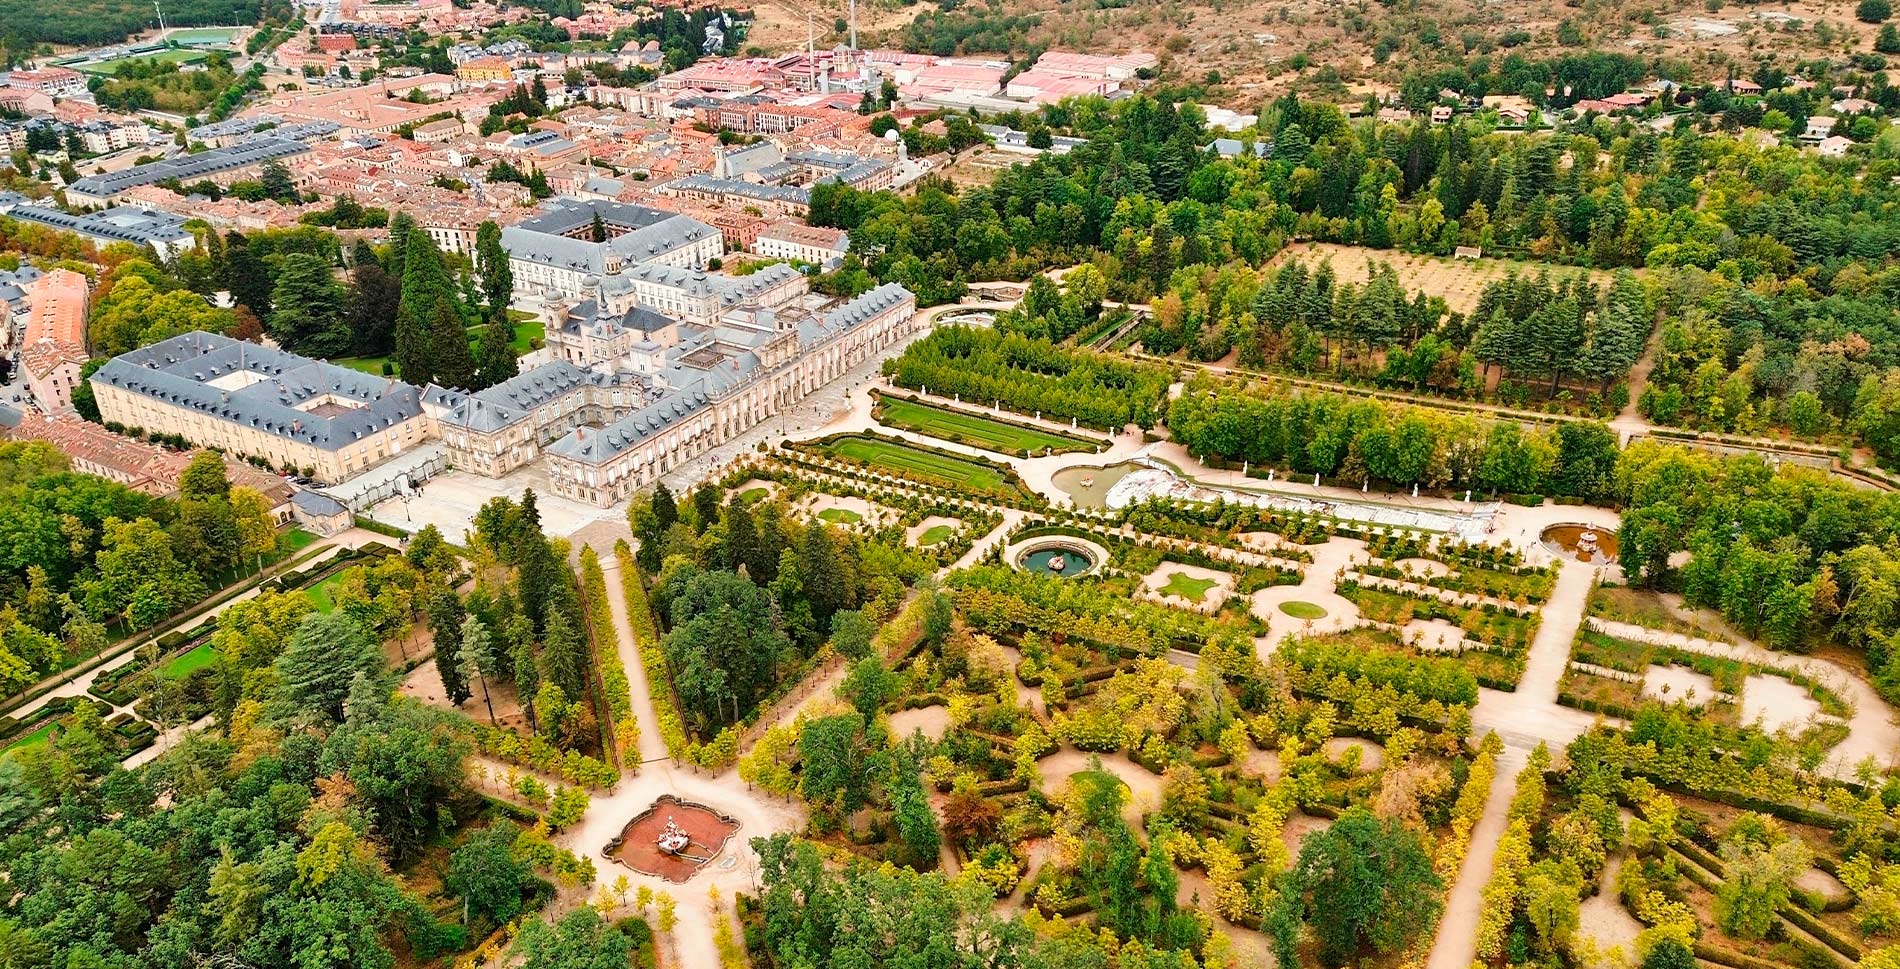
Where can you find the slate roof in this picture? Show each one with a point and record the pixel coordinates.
(191, 168)
(178, 372)
(706, 367)
(516, 398)
(645, 234)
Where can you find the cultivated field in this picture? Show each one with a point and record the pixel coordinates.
(1458, 281)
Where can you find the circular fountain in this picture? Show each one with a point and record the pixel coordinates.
(1056, 556)
(1587, 543)
(673, 839)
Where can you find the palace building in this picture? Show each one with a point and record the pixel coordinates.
(630, 394)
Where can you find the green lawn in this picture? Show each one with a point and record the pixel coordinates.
(528, 331)
(168, 56)
(1302, 610)
(185, 664)
(320, 594)
(1187, 587)
(935, 534)
(296, 540)
(752, 496)
(369, 365)
(1002, 437)
(841, 516)
(203, 35)
(909, 460)
(35, 737)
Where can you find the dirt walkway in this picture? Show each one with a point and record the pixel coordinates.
(1456, 943)
(652, 747)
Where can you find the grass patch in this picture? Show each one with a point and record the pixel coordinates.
(1299, 609)
(296, 540)
(38, 736)
(935, 534)
(369, 365)
(752, 496)
(1003, 437)
(185, 664)
(841, 516)
(907, 460)
(527, 334)
(1187, 587)
(322, 595)
(168, 56)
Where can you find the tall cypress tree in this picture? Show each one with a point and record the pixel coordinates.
(401, 226)
(564, 654)
(664, 507)
(742, 539)
(491, 264)
(412, 356)
(246, 276)
(445, 620)
(824, 581)
(496, 362)
(425, 282)
(448, 345)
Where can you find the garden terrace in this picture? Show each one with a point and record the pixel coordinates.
(976, 430)
(1599, 688)
(1527, 586)
(1495, 626)
(1033, 376)
(916, 462)
(1767, 879)
(999, 598)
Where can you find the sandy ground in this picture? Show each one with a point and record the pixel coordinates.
(771, 487)
(1459, 281)
(1872, 732)
(1602, 917)
(1678, 684)
(870, 514)
(1816, 880)
(450, 500)
(915, 533)
(1371, 754)
(1158, 580)
(1433, 634)
(933, 721)
(1262, 763)
(1777, 703)
(1317, 586)
(1144, 788)
(1427, 568)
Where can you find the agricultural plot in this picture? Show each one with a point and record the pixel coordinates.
(1457, 281)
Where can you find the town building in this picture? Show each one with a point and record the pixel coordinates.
(163, 231)
(139, 465)
(219, 165)
(806, 243)
(494, 431)
(555, 253)
(49, 80)
(54, 348)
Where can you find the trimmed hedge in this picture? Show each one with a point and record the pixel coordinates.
(622, 726)
(652, 656)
